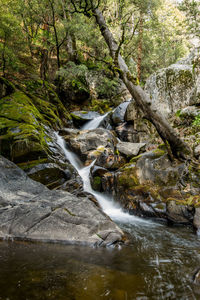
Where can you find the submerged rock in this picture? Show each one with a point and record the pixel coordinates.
(30, 211)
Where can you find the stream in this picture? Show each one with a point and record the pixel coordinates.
(158, 265)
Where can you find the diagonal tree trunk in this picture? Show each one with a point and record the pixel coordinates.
(178, 147)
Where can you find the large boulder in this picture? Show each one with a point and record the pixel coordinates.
(175, 87)
(151, 185)
(26, 123)
(89, 144)
(30, 211)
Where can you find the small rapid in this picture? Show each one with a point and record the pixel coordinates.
(107, 203)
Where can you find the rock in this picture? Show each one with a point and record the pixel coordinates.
(106, 122)
(119, 113)
(50, 174)
(130, 149)
(81, 117)
(149, 185)
(96, 174)
(127, 133)
(189, 112)
(25, 123)
(178, 214)
(175, 87)
(132, 112)
(144, 131)
(109, 160)
(30, 211)
(90, 144)
(196, 221)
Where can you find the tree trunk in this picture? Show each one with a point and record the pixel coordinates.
(140, 44)
(178, 147)
(44, 63)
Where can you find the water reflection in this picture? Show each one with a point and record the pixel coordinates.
(159, 265)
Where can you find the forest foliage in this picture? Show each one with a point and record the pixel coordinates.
(40, 38)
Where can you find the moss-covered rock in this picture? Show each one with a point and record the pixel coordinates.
(25, 122)
(174, 87)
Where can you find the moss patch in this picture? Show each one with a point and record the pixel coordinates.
(23, 126)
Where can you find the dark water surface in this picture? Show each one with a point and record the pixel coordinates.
(159, 265)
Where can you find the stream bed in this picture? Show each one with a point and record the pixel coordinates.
(158, 265)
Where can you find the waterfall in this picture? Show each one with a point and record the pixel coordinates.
(93, 124)
(107, 203)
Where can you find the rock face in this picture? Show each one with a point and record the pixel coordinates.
(175, 87)
(30, 211)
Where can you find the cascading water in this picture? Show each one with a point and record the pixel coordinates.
(107, 203)
(93, 124)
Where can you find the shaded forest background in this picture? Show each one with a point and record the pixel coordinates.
(47, 39)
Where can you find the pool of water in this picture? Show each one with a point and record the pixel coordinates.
(159, 264)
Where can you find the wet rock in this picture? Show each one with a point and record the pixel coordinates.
(96, 174)
(90, 144)
(196, 221)
(106, 122)
(130, 149)
(178, 214)
(30, 211)
(119, 113)
(127, 133)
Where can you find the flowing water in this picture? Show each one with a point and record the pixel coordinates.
(93, 124)
(158, 265)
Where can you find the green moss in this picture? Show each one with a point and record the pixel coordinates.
(31, 164)
(128, 177)
(75, 117)
(135, 158)
(23, 126)
(100, 105)
(96, 183)
(158, 152)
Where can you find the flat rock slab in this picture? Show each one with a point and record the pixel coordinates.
(130, 149)
(30, 211)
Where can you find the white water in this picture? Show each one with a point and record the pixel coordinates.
(107, 203)
(93, 124)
